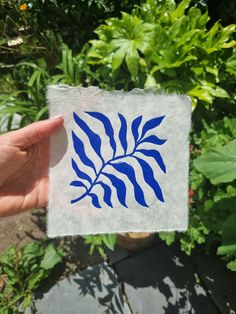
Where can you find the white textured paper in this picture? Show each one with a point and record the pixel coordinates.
(120, 163)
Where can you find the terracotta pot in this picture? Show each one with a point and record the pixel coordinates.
(135, 240)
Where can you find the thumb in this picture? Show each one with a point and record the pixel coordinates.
(35, 132)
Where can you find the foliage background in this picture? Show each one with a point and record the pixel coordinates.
(168, 45)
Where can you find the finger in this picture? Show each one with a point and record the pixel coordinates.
(35, 132)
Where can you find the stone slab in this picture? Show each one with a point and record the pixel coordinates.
(92, 291)
(220, 281)
(161, 281)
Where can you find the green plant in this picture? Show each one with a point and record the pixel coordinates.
(22, 100)
(219, 166)
(169, 47)
(21, 273)
(213, 191)
(99, 241)
(165, 46)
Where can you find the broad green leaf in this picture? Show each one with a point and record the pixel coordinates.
(168, 237)
(121, 39)
(118, 58)
(214, 71)
(219, 37)
(231, 63)
(179, 11)
(201, 94)
(228, 246)
(219, 165)
(32, 248)
(226, 249)
(219, 92)
(51, 257)
(232, 265)
(229, 230)
(132, 61)
(207, 91)
(150, 81)
(110, 240)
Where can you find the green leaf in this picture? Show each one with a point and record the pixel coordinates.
(101, 251)
(51, 257)
(219, 165)
(41, 113)
(32, 248)
(229, 230)
(110, 240)
(231, 64)
(179, 11)
(232, 265)
(119, 40)
(118, 58)
(168, 237)
(27, 301)
(201, 94)
(226, 249)
(219, 37)
(150, 81)
(228, 246)
(33, 78)
(132, 61)
(35, 278)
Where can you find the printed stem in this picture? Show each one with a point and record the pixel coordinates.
(98, 174)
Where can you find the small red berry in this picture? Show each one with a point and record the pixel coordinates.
(191, 193)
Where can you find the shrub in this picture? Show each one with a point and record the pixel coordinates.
(21, 273)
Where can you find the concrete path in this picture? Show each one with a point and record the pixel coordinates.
(157, 280)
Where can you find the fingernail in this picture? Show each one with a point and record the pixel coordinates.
(56, 117)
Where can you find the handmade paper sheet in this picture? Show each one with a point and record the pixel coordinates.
(120, 163)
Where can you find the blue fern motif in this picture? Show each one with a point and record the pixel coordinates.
(86, 184)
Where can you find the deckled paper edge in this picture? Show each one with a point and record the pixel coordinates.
(52, 94)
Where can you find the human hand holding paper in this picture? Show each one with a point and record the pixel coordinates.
(24, 161)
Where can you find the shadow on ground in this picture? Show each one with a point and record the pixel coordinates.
(157, 280)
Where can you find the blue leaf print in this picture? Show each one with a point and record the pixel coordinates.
(119, 186)
(78, 183)
(156, 155)
(135, 125)
(95, 200)
(123, 132)
(79, 149)
(108, 128)
(107, 193)
(94, 139)
(128, 170)
(80, 173)
(151, 124)
(117, 162)
(153, 139)
(149, 178)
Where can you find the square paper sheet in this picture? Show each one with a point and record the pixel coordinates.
(120, 163)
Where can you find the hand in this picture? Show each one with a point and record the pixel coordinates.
(24, 163)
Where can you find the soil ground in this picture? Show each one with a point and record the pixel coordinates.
(31, 226)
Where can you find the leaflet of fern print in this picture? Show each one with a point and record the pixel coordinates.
(119, 163)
